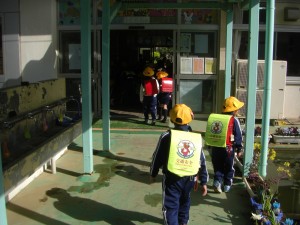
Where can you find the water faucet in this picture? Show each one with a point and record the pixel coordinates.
(30, 116)
(6, 125)
(48, 109)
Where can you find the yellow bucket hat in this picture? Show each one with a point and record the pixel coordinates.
(148, 72)
(181, 114)
(232, 104)
(161, 74)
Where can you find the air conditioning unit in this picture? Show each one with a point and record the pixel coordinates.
(279, 69)
(242, 96)
(242, 73)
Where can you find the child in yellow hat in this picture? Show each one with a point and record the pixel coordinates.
(150, 89)
(179, 154)
(224, 135)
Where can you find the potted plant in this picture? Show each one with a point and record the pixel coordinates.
(263, 194)
(257, 135)
(287, 135)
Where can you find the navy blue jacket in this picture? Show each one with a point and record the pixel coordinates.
(237, 145)
(238, 138)
(161, 153)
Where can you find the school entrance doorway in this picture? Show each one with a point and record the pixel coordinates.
(131, 51)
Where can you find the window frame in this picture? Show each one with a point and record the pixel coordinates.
(64, 52)
(2, 71)
(277, 29)
(289, 79)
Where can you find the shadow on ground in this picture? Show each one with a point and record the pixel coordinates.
(89, 210)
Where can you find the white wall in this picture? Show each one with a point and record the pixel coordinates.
(9, 11)
(292, 102)
(38, 37)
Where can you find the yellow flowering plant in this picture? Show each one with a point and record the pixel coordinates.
(266, 205)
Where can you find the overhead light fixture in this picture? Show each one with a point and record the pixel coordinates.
(291, 14)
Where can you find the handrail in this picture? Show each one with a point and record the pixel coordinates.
(9, 122)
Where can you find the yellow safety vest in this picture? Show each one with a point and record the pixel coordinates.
(216, 130)
(184, 155)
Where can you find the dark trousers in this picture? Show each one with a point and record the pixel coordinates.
(176, 199)
(149, 106)
(223, 161)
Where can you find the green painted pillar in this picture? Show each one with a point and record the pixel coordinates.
(267, 88)
(228, 62)
(252, 80)
(105, 74)
(3, 218)
(87, 136)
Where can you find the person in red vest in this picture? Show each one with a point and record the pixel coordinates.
(150, 88)
(165, 94)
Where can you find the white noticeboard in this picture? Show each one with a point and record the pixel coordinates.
(198, 65)
(210, 66)
(186, 65)
(185, 42)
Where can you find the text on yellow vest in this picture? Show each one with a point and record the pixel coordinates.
(216, 130)
(184, 154)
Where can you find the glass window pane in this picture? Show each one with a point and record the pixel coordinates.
(262, 14)
(1, 49)
(243, 50)
(288, 48)
(197, 94)
(70, 61)
(201, 44)
(191, 94)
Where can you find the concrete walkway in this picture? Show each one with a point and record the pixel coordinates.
(118, 192)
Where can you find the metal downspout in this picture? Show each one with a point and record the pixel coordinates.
(251, 86)
(228, 62)
(267, 87)
(105, 74)
(85, 22)
(3, 220)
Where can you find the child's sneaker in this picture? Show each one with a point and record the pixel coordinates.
(217, 187)
(227, 188)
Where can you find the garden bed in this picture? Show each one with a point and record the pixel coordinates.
(288, 135)
(278, 139)
(257, 139)
(263, 192)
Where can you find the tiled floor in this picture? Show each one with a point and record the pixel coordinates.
(118, 192)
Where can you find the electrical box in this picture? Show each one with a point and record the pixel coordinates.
(291, 14)
(279, 69)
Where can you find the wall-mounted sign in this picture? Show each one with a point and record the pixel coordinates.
(198, 65)
(210, 65)
(201, 43)
(186, 65)
(185, 42)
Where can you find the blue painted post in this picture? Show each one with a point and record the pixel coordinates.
(105, 73)
(229, 20)
(85, 22)
(3, 218)
(251, 86)
(267, 88)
